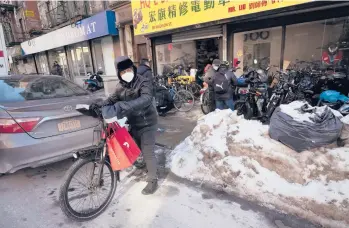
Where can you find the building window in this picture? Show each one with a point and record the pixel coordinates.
(175, 58)
(79, 57)
(58, 55)
(42, 63)
(258, 48)
(310, 42)
(98, 55)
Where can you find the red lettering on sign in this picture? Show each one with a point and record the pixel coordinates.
(145, 4)
(255, 5)
(155, 2)
(242, 7)
(1, 54)
(231, 9)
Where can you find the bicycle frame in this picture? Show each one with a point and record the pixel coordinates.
(94, 151)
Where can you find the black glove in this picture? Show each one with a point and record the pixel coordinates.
(95, 110)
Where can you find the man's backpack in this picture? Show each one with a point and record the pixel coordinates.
(221, 84)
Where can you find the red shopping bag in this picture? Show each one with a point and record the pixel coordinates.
(122, 149)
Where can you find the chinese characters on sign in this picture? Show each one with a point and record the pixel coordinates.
(159, 15)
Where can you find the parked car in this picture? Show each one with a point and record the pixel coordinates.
(39, 123)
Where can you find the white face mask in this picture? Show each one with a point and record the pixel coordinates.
(128, 76)
(215, 67)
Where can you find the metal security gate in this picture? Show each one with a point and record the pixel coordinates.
(198, 34)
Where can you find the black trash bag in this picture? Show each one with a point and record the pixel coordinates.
(324, 130)
(162, 96)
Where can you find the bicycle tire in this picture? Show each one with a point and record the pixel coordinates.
(205, 106)
(195, 90)
(63, 192)
(182, 97)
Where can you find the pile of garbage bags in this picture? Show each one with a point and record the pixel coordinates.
(303, 127)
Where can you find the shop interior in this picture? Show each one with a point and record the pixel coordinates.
(308, 42)
(186, 58)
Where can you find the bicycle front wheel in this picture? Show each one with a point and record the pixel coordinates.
(83, 195)
(183, 100)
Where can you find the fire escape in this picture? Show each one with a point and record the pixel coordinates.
(62, 13)
(7, 10)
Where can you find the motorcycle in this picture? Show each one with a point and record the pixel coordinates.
(94, 81)
(253, 100)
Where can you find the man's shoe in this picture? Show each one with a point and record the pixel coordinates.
(150, 188)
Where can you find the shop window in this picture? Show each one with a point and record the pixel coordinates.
(258, 48)
(98, 55)
(42, 63)
(175, 57)
(79, 57)
(58, 55)
(310, 42)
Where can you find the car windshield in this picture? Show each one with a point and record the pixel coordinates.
(14, 90)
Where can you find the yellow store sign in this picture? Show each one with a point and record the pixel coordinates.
(151, 16)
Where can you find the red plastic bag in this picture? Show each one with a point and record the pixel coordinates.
(122, 149)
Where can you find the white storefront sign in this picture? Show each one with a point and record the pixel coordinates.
(89, 28)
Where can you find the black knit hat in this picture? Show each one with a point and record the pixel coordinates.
(123, 63)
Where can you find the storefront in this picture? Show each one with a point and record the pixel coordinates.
(263, 33)
(284, 41)
(78, 49)
(183, 51)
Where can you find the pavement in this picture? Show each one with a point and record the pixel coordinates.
(29, 197)
(176, 126)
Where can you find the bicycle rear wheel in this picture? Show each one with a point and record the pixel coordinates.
(183, 100)
(206, 103)
(195, 89)
(80, 188)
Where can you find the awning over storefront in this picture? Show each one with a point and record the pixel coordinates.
(99, 25)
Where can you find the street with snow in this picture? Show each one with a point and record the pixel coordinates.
(227, 173)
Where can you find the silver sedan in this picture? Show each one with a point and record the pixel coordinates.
(38, 121)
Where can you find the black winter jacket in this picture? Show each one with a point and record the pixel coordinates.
(231, 78)
(145, 71)
(133, 100)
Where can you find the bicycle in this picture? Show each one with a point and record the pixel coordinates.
(183, 100)
(95, 165)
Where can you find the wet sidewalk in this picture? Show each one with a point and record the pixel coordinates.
(176, 126)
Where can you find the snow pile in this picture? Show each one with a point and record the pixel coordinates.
(237, 156)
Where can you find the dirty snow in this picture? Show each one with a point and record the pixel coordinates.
(238, 156)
